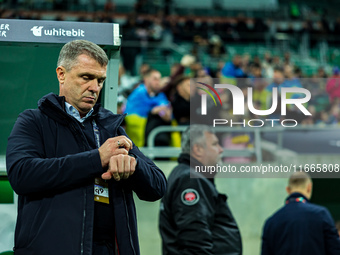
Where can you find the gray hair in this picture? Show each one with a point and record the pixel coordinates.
(194, 134)
(71, 50)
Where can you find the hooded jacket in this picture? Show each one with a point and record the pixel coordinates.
(194, 217)
(52, 167)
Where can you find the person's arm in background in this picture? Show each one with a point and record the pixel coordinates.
(164, 111)
(162, 107)
(331, 236)
(265, 249)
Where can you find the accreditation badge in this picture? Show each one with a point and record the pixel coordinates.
(101, 191)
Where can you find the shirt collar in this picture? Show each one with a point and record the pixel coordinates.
(296, 195)
(75, 114)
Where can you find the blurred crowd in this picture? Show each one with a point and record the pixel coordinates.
(239, 28)
(151, 100)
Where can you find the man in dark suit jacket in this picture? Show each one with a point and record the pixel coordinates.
(300, 228)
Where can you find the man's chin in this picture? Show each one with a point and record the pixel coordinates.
(86, 109)
(219, 161)
(88, 105)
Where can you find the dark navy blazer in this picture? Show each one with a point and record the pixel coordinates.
(300, 228)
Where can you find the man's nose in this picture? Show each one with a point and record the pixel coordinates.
(94, 87)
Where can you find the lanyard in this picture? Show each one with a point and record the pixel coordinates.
(297, 200)
(96, 133)
(101, 187)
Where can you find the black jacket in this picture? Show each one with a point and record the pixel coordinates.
(300, 228)
(194, 218)
(52, 168)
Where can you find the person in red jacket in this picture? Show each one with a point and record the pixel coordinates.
(333, 85)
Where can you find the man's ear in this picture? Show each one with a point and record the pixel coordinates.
(310, 188)
(61, 74)
(288, 189)
(197, 150)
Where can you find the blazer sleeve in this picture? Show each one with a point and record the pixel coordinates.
(265, 249)
(148, 181)
(31, 172)
(331, 236)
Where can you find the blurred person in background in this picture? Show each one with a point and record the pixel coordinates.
(286, 59)
(285, 79)
(109, 6)
(176, 72)
(139, 79)
(290, 78)
(216, 47)
(156, 30)
(277, 61)
(300, 227)
(298, 72)
(183, 99)
(126, 82)
(330, 116)
(233, 69)
(321, 73)
(194, 217)
(143, 70)
(144, 100)
(333, 85)
(267, 64)
(278, 79)
(261, 96)
(245, 63)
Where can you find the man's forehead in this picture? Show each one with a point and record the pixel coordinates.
(87, 58)
(92, 72)
(210, 136)
(88, 64)
(155, 74)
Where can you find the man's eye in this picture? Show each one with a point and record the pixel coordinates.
(86, 78)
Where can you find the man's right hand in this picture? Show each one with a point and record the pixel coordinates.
(120, 167)
(114, 146)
